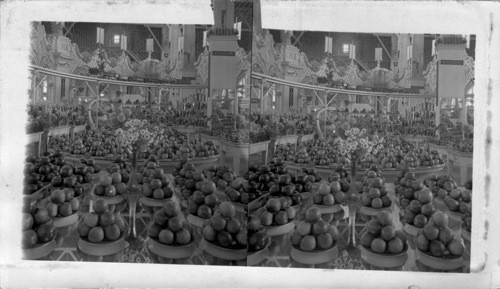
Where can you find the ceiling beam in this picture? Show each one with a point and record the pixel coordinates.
(297, 38)
(68, 30)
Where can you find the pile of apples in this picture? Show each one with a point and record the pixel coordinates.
(110, 185)
(325, 196)
(38, 171)
(224, 229)
(62, 203)
(156, 185)
(285, 152)
(257, 236)
(437, 239)
(319, 153)
(446, 189)
(375, 193)
(381, 237)
(313, 233)
(37, 225)
(277, 212)
(168, 227)
(102, 225)
(120, 164)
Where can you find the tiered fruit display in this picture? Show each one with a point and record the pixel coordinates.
(42, 170)
(381, 237)
(418, 208)
(277, 212)
(110, 185)
(197, 190)
(87, 166)
(319, 153)
(101, 225)
(445, 189)
(238, 191)
(437, 239)
(313, 233)
(169, 227)
(224, 229)
(155, 184)
(375, 193)
(37, 225)
(62, 203)
(398, 153)
(120, 164)
(325, 196)
(257, 237)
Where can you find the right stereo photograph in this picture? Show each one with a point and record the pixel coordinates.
(370, 150)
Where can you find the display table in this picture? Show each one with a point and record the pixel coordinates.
(463, 161)
(389, 174)
(239, 151)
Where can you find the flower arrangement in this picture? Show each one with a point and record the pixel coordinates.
(358, 143)
(136, 135)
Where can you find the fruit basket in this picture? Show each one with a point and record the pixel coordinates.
(314, 257)
(447, 263)
(223, 253)
(40, 250)
(104, 248)
(384, 260)
(168, 251)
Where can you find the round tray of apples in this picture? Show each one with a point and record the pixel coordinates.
(375, 197)
(324, 198)
(101, 232)
(62, 207)
(459, 203)
(170, 235)
(417, 213)
(258, 242)
(441, 186)
(224, 236)
(314, 241)
(381, 245)
(437, 247)
(38, 236)
(110, 188)
(277, 216)
(158, 191)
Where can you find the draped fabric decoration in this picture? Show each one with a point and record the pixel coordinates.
(124, 65)
(430, 75)
(176, 72)
(405, 81)
(352, 75)
(201, 67)
(266, 58)
(243, 64)
(41, 49)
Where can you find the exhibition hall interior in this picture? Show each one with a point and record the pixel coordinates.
(238, 145)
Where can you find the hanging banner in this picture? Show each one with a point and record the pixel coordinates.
(378, 54)
(451, 79)
(223, 62)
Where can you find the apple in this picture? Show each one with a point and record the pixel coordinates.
(65, 209)
(100, 206)
(209, 233)
(367, 239)
(378, 245)
(456, 248)
(395, 246)
(308, 243)
(112, 233)
(175, 224)
(41, 216)
(154, 230)
(91, 219)
(431, 232)
(182, 236)
(29, 239)
(313, 214)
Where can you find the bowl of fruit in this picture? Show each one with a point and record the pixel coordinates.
(170, 235)
(158, 191)
(110, 188)
(381, 245)
(458, 203)
(314, 241)
(62, 207)
(437, 247)
(441, 186)
(375, 197)
(277, 216)
(258, 242)
(38, 236)
(101, 232)
(225, 236)
(324, 198)
(416, 209)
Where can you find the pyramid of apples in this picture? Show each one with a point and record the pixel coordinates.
(406, 187)
(62, 203)
(313, 233)
(37, 225)
(277, 212)
(110, 185)
(101, 225)
(375, 193)
(169, 227)
(257, 237)
(380, 235)
(224, 229)
(158, 186)
(437, 239)
(443, 186)
(419, 208)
